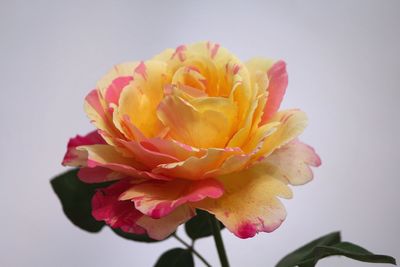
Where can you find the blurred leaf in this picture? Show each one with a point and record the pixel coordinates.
(199, 226)
(134, 237)
(75, 197)
(330, 245)
(177, 257)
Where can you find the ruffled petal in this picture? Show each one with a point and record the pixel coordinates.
(106, 156)
(250, 202)
(291, 124)
(199, 126)
(113, 92)
(139, 100)
(242, 135)
(292, 162)
(98, 175)
(197, 168)
(158, 199)
(146, 154)
(161, 228)
(278, 81)
(122, 214)
(111, 84)
(101, 116)
(170, 147)
(74, 157)
(271, 77)
(117, 214)
(173, 148)
(258, 69)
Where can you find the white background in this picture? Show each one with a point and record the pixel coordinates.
(344, 70)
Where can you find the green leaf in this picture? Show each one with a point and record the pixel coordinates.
(75, 197)
(199, 226)
(352, 251)
(134, 237)
(307, 250)
(177, 257)
(330, 245)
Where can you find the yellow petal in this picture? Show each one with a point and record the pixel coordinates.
(249, 204)
(196, 168)
(204, 124)
(161, 228)
(292, 123)
(139, 100)
(120, 70)
(258, 68)
(292, 162)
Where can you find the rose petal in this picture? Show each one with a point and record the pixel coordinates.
(278, 81)
(105, 84)
(73, 157)
(101, 117)
(249, 204)
(193, 126)
(107, 157)
(292, 162)
(118, 214)
(98, 175)
(161, 228)
(292, 123)
(114, 90)
(157, 198)
(275, 84)
(196, 168)
(139, 100)
(147, 155)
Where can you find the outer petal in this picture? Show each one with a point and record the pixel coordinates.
(249, 204)
(163, 227)
(277, 81)
(122, 214)
(98, 174)
(292, 123)
(158, 199)
(258, 68)
(113, 92)
(74, 157)
(113, 82)
(292, 162)
(118, 214)
(101, 116)
(106, 156)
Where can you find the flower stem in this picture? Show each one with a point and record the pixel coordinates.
(191, 248)
(218, 241)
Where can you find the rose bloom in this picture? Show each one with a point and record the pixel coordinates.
(192, 128)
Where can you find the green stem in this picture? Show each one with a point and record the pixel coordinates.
(191, 248)
(218, 241)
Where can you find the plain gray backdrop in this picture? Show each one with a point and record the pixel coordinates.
(344, 70)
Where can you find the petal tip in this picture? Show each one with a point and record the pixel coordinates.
(246, 230)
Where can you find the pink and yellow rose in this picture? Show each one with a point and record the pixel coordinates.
(192, 128)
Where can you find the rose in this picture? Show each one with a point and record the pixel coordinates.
(192, 128)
